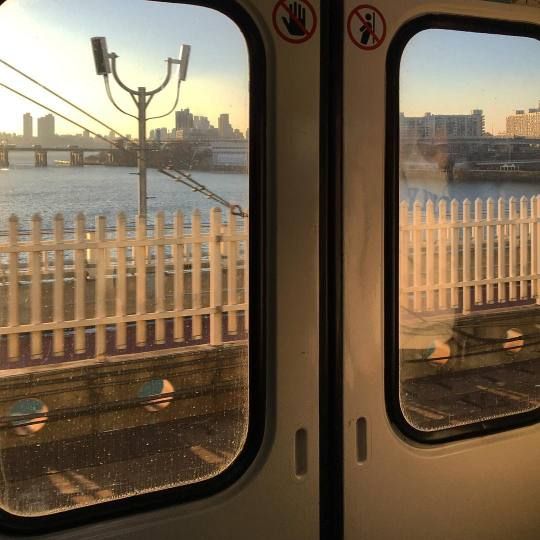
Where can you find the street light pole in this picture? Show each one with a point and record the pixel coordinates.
(106, 63)
(141, 160)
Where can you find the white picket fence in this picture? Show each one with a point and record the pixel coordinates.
(459, 255)
(117, 269)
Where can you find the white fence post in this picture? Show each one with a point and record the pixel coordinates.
(501, 252)
(454, 254)
(58, 295)
(100, 296)
(417, 255)
(478, 247)
(80, 283)
(246, 272)
(159, 274)
(443, 243)
(523, 248)
(178, 287)
(216, 278)
(232, 297)
(121, 282)
(404, 254)
(490, 247)
(466, 258)
(13, 291)
(430, 256)
(512, 248)
(36, 338)
(196, 250)
(140, 281)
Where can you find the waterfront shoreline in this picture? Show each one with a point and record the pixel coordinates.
(106, 190)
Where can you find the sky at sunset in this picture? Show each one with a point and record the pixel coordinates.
(50, 41)
(442, 71)
(450, 72)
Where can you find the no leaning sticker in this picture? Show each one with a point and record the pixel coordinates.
(294, 21)
(366, 27)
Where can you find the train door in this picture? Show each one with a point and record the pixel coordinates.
(267, 484)
(440, 377)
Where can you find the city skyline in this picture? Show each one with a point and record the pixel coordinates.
(150, 32)
(454, 72)
(28, 122)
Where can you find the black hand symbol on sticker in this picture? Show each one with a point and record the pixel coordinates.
(296, 23)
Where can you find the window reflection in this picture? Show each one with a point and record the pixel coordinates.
(469, 229)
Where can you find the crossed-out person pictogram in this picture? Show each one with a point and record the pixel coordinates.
(366, 27)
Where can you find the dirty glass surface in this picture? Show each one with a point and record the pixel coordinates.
(124, 218)
(469, 228)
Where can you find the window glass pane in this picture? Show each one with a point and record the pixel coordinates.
(123, 306)
(469, 228)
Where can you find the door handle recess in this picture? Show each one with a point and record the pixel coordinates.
(300, 453)
(361, 440)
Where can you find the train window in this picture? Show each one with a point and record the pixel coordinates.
(469, 228)
(124, 249)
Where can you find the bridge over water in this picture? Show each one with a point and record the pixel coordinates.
(76, 154)
(225, 152)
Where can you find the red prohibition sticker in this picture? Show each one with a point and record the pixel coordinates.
(294, 21)
(366, 27)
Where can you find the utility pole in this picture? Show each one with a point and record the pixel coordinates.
(141, 160)
(106, 63)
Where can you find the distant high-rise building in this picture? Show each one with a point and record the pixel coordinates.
(201, 122)
(27, 127)
(184, 119)
(86, 134)
(160, 134)
(45, 129)
(445, 126)
(224, 127)
(524, 124)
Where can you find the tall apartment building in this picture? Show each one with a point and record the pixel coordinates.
(524, 124)
(224, 126)
(443, 126)
(27, 127)
(45, 129)
(184, 119)
(201, 122)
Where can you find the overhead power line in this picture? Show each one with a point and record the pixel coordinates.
(10, 66)
(190, 182)
(114, 143)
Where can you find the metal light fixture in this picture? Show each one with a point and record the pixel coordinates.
(105, 63)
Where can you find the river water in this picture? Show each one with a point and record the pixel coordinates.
(99, 190)
(436, 189)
